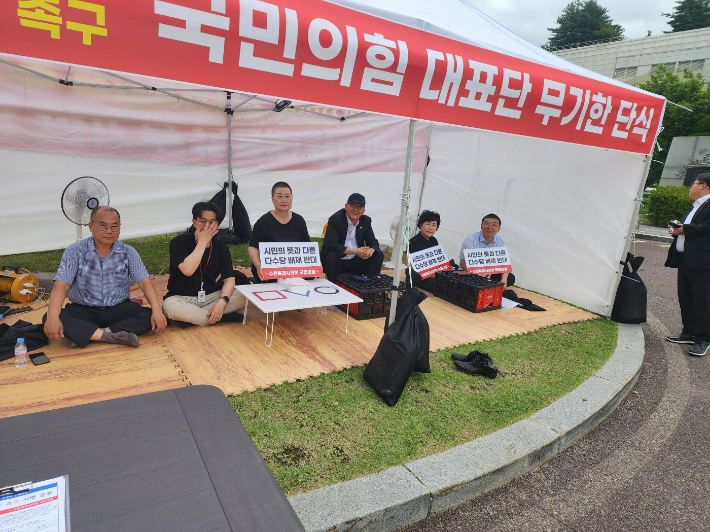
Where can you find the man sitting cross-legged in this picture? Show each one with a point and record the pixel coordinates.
(95, 274)
(201, 285)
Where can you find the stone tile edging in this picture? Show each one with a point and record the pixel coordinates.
(403, 495)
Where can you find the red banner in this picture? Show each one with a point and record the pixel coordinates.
(314, 51)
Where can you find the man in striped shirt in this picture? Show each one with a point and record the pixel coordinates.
(95, 274)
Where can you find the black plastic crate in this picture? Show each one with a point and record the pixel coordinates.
(471, 292)
(375, 292)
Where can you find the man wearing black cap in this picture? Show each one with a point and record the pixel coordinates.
(350, 245)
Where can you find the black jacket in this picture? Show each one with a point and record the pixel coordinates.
(334, 241)
(697, 242)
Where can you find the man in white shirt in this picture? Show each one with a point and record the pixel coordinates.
(690, 253)
(349, 245)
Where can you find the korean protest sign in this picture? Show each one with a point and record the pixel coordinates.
(289, 259)
(429, 261)
(488, 260)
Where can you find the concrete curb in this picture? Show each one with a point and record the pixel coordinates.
(403, 495)
(655, 237)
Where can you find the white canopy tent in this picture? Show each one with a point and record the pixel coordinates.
(566, 207)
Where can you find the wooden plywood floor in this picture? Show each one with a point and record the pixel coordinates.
(233, 356)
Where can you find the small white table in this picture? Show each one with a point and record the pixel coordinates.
(271, 298)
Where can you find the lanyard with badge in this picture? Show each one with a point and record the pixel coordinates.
(201, 296)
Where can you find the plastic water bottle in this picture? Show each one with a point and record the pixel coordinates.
(20, 353)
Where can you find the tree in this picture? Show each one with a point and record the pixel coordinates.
(583, 21)
(689, 15)
(687, 91)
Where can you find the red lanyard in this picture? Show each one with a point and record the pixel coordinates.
(206, 263)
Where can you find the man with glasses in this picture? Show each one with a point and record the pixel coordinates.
(349, 245)
(487, 237)
(95, 274)
(202, 279)
(690, 253)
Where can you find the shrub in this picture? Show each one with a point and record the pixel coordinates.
(668, 202)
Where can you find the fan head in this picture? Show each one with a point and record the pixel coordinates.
(82, 196)
(395, 229)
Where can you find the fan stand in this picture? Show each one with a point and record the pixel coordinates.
(79, 233)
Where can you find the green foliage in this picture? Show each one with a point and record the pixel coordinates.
(582, 21)
(333, 427)
(687, 91)
(668, 203)
(689, 15)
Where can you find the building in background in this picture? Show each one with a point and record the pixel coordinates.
(634, 60)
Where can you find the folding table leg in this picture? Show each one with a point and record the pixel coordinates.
(269, 341)
(246, 307)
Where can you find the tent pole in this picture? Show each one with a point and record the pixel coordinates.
(403, 218)
(229, 112)
(632, 229)
(421, 191)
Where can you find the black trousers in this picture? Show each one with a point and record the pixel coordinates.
(80, 323)
(333, 265)
(694, 300)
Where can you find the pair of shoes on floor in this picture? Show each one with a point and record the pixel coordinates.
(699, 348)
(682, 338)
(475, 363)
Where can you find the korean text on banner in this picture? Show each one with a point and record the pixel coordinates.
(488, 260)
(329, 54)
(280, 260)
(429, 261)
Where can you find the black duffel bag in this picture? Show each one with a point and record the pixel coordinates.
(631, 297)
(404, 348)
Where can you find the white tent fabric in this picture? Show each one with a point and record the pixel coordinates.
(565, 213)
(158, 155)
(566, 208)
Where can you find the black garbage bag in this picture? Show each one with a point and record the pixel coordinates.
(631, 297)
(402, 346)
(33, 334)
(240, 216)
(411, 299)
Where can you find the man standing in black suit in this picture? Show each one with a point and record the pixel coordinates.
(690, 253)
(350, 245)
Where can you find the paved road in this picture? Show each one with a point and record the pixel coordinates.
(644, 468)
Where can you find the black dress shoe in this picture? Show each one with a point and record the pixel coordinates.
(682, 338)
(477, 367)
(471, 356)
(699, 349)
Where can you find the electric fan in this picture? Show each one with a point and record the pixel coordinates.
(82, 196)
(395, 227)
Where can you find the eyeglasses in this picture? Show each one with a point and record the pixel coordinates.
(494, 225)
(696, 183)
(202, 221)
(113, 227)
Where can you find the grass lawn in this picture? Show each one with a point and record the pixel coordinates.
(333, 427)
(154, 250)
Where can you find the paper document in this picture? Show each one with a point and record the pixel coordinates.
(508, 303)
(35, 507)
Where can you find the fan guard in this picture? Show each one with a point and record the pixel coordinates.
(82, 196)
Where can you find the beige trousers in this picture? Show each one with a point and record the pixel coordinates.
(187, 308)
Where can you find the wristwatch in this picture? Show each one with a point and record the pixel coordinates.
(225, 299)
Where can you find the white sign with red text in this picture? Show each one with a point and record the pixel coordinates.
(41, 506)
(488, 260)
(289, 259)
(429, 261)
